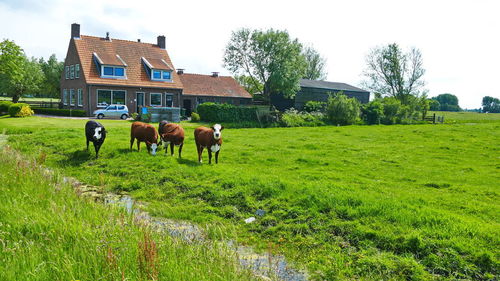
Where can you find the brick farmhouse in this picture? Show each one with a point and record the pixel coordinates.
(101, 71)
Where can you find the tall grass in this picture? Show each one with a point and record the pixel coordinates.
(48, 233)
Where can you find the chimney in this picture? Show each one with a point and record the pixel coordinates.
(107, 36)
(161, 41)
(180, 70)
(139, 40)
(215, 74)
(75, 30)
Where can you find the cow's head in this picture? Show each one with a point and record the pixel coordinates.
(98, 133)
(217, 128)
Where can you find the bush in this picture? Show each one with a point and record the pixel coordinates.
(314, 106)
(4, 106)
(214, 112)
(20, 110)
(195, 117)
(294, 118)
(392, 111)
(342, 110)
(60, 112)
(373, 112)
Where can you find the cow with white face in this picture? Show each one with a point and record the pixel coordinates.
(95, 133)
(210, 138)
(143, 132)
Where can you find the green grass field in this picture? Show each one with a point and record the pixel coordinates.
(467, 117)
(48, 233)
(415, 202)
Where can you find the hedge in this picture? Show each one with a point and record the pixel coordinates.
(60, 112)
(4, 106)
(20, 110)
(215, 112)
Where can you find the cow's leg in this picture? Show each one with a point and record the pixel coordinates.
(87, 144)
(97, 147)
(131, 143)
(209, 156)
(138, 145)
(217, 156)
(200, 151)
(172, 148)
(180, 149)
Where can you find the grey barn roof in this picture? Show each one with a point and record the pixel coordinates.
(329, 85)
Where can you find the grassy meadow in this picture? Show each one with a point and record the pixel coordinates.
(467, 117)
(412, 202)
(48, 233)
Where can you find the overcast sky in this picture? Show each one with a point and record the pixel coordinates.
(459, 40)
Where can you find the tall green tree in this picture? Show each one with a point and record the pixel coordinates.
(392, 72)
(491, 104)
(250, 84)
(269, 57)
(18, 74)
(315, 64)
(52, 70)
(447, 102)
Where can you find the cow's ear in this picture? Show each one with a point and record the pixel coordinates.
(221, 127)
(212, 128)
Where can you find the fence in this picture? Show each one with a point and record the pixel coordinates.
(434, 119)
(43, 104)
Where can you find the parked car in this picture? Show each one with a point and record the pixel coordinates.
(113, 110)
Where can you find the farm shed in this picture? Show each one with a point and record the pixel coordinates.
(200, 88)
(312, 90)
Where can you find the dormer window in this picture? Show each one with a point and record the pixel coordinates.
(113, 71)
(158, 69)
(110, 66)
(161, 75)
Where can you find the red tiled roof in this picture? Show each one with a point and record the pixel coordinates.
(207, 85)
(158, 64)
(130, 53)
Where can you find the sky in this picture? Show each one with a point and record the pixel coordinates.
(459, 40)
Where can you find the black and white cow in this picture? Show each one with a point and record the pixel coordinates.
(96, 134)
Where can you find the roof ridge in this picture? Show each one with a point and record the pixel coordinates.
(209, 75)
(113, 39)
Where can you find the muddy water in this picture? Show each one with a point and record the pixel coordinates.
(265, 266)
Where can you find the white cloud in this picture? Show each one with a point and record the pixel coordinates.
(459, 39)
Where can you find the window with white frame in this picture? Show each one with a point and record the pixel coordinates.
(112, 71)
(155, 99)
(107, 97)
(72, 72)
(72, 97)
(80, 97)
(77, 71)
(161, 75)
(65, 97)
(67, 72)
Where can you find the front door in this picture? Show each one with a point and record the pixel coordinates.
(187, 106)
(140, 101)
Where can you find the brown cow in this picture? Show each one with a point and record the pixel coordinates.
(211, 138)
(172, 134)
(146, 133)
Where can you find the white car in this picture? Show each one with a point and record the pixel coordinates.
(113, 110)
